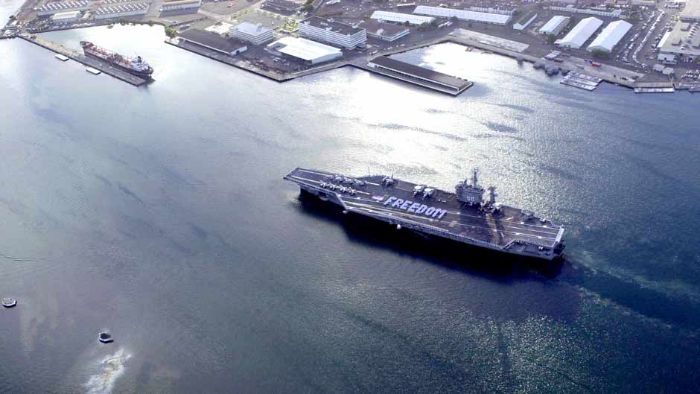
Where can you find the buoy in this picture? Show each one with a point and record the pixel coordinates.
(9, 302)
(105, 337)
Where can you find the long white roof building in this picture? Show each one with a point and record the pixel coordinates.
(555, 25)
(309, 51)
(610, 36)
(466, 15)
(399, 17)
(580, 33)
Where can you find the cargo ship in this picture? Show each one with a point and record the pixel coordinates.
(132, 65)
(464, 216)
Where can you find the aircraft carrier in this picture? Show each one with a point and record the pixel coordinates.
(463, 216)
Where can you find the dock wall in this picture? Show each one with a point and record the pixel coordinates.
(86, 61)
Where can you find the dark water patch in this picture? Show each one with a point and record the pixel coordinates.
(199, 232)
(396, 126)
(485, 135)
(129, 193)
(499, 127)
(520, 108)
(652, 169)
(560, 172)
(16, 259)
(127, 165)
(659, 146)
(436, 111)
(102, 179)
(678, 312)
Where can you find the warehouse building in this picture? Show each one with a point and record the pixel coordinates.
(465, 15)
(334, 33)
(213, 41)
(385, 31)
(682, 44)
(610, 36)
(590, 11)
(65, 17)
(282, 7)
(555, 25)
(309, 52)
(691, 12)
(524, 21)
(180, 5)
(63, 6)
(255, 34)
(580, 33)
(398, 17)
(121, 10)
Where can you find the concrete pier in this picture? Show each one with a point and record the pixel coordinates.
(248, 66)
(418, 75)
(612, 74)
(654, 87)
(87, 61)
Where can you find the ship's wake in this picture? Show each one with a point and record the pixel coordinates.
(109, 370)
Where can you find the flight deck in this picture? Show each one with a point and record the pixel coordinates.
(462, 216)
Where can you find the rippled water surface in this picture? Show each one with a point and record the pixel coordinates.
(159, 214)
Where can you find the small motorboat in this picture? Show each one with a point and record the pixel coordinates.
(9, 302)
(105, 337)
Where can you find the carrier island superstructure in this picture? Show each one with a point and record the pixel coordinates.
(464, 216)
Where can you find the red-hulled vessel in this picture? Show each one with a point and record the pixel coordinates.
(132, 65)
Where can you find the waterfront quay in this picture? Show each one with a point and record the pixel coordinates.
(282, 40)
(612, 74)
(85, 60)
(417, 75)
(250, 66)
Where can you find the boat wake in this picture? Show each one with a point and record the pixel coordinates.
(110, 369)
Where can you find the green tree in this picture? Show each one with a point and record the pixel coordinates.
(170, 31)
(599, 54)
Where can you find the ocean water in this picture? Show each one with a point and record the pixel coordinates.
(160, 214)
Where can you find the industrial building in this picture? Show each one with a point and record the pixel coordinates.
(590, 11)
(524, 21)
(331, 32)
(610, 36)
(213, 41)
(121, 10)
(555, 25)
(255, 34)
(310, 52)
(179, 5)
(65, 17)
(681, 44)
(691, 12)
(580, 33)
(63, 6)
(466, 15)
(282, 7)
(398, 17)
(385, 31)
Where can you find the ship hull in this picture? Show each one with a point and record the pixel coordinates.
(144, 75)
(432, 249)
(503, 232)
